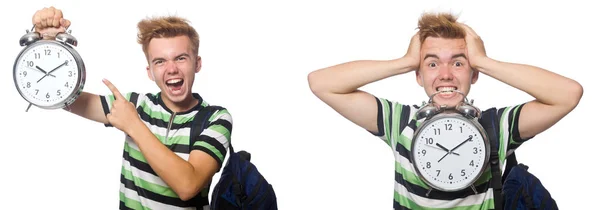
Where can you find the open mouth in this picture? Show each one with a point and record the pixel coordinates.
(174, 85)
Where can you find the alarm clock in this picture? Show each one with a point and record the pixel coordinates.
(450, 148)
(49, 74)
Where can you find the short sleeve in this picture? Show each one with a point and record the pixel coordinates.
(392, 118)
(107, 101)
(509, 125)
(215, 139)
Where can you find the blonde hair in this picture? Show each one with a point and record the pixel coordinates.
(166, 27)
(441, 25)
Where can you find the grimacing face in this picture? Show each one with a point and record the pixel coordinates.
(444, 66)
(172, 66)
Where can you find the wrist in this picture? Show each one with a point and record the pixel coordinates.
(406, 64)
(482, 63)
(134, 128)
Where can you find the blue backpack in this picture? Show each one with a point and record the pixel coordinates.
(241, 185)
(517, 189)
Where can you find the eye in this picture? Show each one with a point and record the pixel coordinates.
(181, 58)
(158, 62)
(432, 65)
(458, 64)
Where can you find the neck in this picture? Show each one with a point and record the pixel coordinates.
(182, 106)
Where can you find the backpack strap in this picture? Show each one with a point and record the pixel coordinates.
(511, 161)
(488, 121)
(200, 122)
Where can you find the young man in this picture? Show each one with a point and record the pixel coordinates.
(163, 166)
(446, 55)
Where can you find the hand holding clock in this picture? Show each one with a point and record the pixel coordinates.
(122, 112)
(49, 22)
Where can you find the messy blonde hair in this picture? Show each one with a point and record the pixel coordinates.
(441, 25)
(166, 27)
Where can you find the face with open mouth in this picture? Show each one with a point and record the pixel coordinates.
(445, 68)
(173, 67)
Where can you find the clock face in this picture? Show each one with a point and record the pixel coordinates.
(46, 74)
(449, 153)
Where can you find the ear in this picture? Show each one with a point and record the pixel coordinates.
(419, 77)
(198, 64)
(149, 72)
(474, 76)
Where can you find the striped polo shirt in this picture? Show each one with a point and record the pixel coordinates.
(396, 124)
(141, 187)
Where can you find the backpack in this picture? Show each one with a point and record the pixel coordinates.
(517, 189)
(241, 185)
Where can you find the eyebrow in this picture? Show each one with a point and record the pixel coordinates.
(180, 55)
(436, 57)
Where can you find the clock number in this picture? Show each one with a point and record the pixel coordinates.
(70, 73)
(436, 131)
(30, 63)
(428, 164)
(24, 73)
(429, 140)
(450, 176)
(462, 172)
(36, 91)
(460, 129)
(66, 84)
(47, 52)
(57, 92)
(28, 84)
(424, 151)
(438, 172)
(58, 55)
(448, 127)
(471, 163)
(37, 56)
(47, 95)
(474, 150)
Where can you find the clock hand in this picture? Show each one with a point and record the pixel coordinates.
(42, 70)
(442, 148)
(64, 63)
(465, 141)
(443, 157)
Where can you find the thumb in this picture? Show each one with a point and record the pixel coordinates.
(65, 23)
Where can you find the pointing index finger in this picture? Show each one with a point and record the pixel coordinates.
(113, 89)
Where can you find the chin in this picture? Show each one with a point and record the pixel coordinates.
(449, 102)
(176, 99)
(175, 96)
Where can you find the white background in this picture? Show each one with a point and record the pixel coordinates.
(256, 58)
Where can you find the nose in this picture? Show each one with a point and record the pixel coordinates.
(172, 67)
(445, 73)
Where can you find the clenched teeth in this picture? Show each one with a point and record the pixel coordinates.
(446, 89)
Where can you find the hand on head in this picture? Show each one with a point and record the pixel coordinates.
(414, 51)
(475, 47)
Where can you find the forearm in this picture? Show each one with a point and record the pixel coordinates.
(88, 106)
(546, 87)
(348, 77)
(178, 173)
